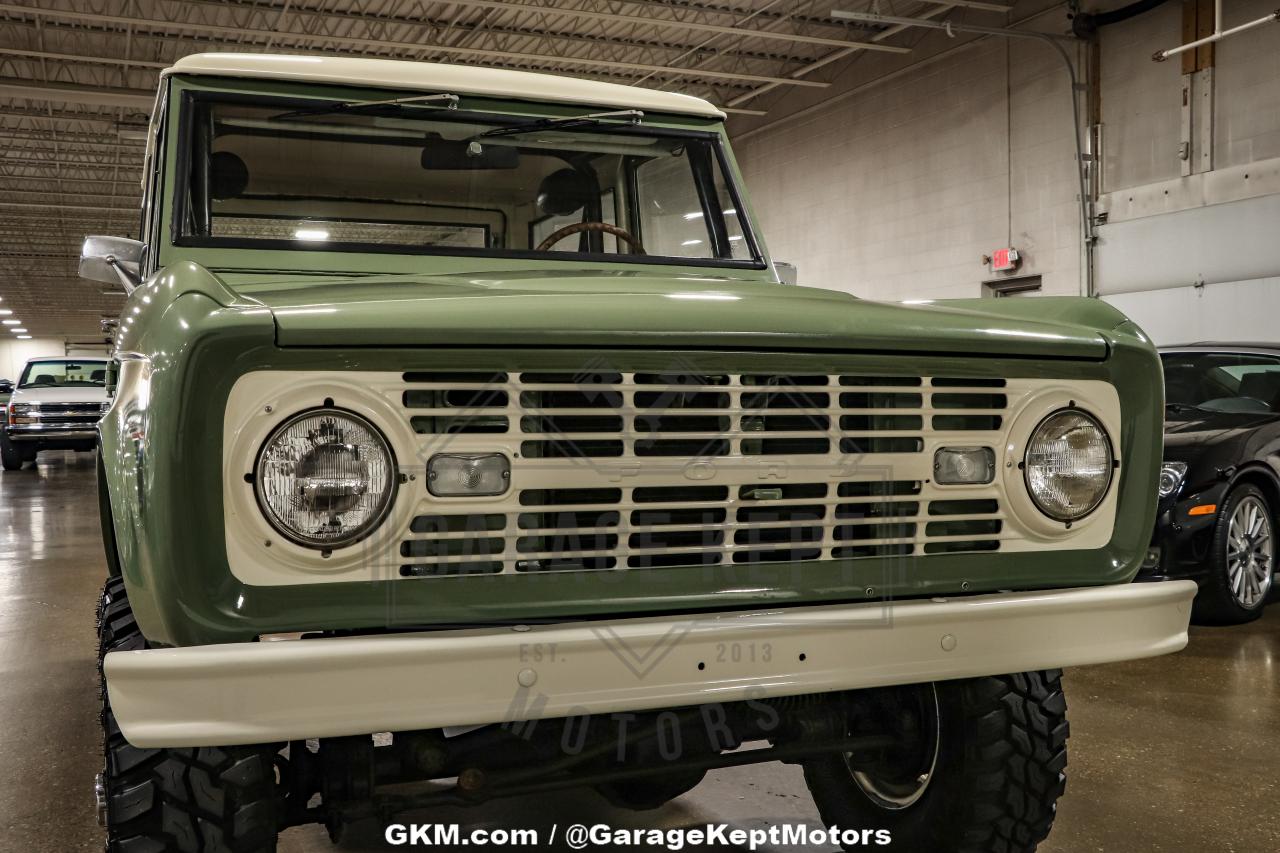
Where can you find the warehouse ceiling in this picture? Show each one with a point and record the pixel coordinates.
(77, 79)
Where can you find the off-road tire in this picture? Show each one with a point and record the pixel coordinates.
(995, 786)
(197, 800)
(11, 458)
(1214, 603)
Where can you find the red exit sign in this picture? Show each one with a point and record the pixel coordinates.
(1003, 260)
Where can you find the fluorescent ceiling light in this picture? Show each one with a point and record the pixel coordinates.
(735, 237)
(691, 243)
(18, 330)
(11, 322)
(25, 337)
(695, 215)
(314, 234)
(5, 311)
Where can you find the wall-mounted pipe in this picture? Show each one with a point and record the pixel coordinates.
(1218, 32)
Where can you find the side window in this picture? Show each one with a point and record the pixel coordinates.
(689, 218)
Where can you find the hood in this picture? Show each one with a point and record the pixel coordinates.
(621, 309)
(59, 395)
(1187, 435)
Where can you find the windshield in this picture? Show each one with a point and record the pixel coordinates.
(441, 181)
(1222, 381)
(57, 373)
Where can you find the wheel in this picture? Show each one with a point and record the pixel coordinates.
(649, 793)
(11, 458)
(978, 767)
(1241, 560)
(206, 799)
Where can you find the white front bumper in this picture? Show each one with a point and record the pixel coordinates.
(288, 690)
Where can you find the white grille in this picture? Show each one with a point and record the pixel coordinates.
(616, 470)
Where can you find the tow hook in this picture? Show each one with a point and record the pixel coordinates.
(100, 798)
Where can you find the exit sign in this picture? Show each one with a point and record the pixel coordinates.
(1003, 260)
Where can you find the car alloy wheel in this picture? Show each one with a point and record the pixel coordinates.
(1250, 553)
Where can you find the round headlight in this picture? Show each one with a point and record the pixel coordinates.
(1068, 465)
(325, 478)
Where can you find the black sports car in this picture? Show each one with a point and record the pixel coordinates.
(1220, 483)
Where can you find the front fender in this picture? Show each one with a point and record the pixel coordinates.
(146, 474)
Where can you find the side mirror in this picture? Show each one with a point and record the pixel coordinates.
(786, 273)
(111, 260)
(6, 387)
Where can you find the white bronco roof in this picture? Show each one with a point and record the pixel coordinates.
(437, 77)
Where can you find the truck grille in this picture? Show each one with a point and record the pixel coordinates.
(64, 415)
(614, 470)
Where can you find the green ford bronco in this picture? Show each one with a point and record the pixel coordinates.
(465, 443)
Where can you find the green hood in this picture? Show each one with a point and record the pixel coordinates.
(594, 309)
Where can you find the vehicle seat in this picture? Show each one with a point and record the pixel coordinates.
(1263, 385)
(44, 379)
(564, 192)
(98, 376)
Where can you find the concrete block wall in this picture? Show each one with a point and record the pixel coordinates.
(1247, 91)
(1141, 105)
(898, 192)
(895, 189)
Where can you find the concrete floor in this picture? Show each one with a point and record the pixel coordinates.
(1172, 754)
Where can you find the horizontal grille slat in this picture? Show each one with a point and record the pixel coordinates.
(630, 449)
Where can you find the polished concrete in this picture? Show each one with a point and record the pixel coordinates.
(1173, 754)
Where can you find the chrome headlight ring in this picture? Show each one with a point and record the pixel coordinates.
(325, 478)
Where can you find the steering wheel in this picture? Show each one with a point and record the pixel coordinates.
(579, 227)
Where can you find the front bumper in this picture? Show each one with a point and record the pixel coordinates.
(275, 691)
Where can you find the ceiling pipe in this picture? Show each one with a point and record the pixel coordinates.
(1218, 32)
(1085, 24)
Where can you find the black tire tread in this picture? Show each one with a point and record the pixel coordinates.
(1018, 760)
(191, 800)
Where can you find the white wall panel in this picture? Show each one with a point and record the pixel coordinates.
(15, 353)
(1230, 311)
(1234, 241)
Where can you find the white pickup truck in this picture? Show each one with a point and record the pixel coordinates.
(56, 405)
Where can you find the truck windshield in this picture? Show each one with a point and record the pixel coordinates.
(442, 181)
(56, 373)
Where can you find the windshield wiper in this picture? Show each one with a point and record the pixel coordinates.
(450, 103)
(1186, 407)
(631, 117)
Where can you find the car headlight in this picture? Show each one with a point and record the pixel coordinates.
(1068, 465)
(1171, 474)
(325, 478)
